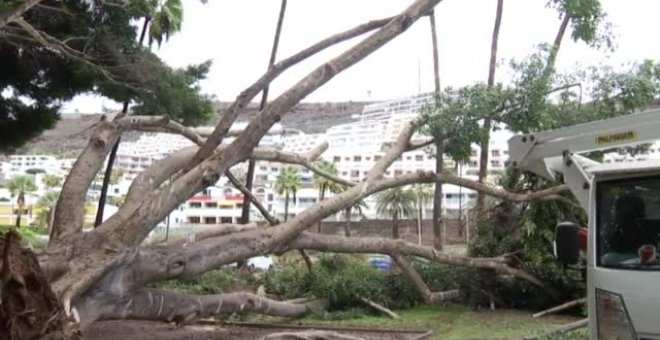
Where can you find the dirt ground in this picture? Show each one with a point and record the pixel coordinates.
(146, 330)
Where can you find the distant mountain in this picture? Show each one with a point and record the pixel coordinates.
(70, 135)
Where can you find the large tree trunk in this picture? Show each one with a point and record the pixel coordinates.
(483, 155)
(103, 274)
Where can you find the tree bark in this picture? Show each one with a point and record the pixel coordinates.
(484, 147)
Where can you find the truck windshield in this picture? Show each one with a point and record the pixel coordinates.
(628, 223)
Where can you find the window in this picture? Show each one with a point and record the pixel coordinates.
(195, 205)
(336, 159)
(398, 173)
(263, 168)
(355, 173)
(210, 220)
(357, 158)
(210, 205)
(474, 153)
(627, 220)
(270, 197)
(473, 163)
(225, 219)
(226, 206)
(419, 158)
(193, 219)
(495, 153)
(408, 158)
(495, 164)
(344, 173)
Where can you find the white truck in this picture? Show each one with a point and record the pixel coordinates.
(623, 203)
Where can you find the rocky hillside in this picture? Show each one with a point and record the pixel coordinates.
(72, 132)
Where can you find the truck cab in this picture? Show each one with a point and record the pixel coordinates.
(623, 205)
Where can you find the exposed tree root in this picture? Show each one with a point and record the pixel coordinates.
(28, 308)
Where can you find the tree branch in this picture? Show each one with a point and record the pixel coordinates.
(421, 286)
(273, 155)
(149, 304)
(16, 13)
(70, 208)
(156, 208)
(264, 212)
(366, 245)
(55, 44)
(248, 94)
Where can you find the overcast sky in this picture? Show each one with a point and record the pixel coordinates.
(236, 35)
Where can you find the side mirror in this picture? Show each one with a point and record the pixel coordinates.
(567, 243)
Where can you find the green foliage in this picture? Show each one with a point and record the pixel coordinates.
(20, 185)
(29, 237)
(343, 280)
(525, 231)
(46, 205)
(217, 281)
(167, 17)
(324, 184)
(587, 20)
(288, 282)
(288, 183)
(397, 202)
(115, 66)
(52, 181)
(177, 95)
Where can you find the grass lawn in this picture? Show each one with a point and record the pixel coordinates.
(458, 322)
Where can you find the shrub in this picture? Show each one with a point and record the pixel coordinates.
(343, 280)
(288, 282)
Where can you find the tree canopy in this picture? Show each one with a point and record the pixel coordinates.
(60, 49)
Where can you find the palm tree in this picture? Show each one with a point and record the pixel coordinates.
(19, 186)
(46, 205)
(287, 183)
(324, 184)
(424, 195)
(358, 206)
(396, 202)
(52, 181)
(166, 18)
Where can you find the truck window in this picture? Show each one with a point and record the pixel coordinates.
(628, 218)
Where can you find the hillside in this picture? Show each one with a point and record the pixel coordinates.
(72, 132)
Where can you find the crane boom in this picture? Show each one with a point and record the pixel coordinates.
(538, 151)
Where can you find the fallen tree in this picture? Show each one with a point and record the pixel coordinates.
(103, 274)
